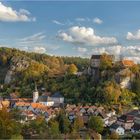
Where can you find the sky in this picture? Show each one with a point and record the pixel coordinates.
(68, 28)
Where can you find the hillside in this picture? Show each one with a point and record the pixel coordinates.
(109, 83)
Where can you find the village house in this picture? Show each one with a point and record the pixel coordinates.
(27, 116)
(22, 105)
(117, 128)
(135, 128)
(126, 121)
(57, 98)
(46, 100)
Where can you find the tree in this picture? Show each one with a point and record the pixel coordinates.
(114, 135)
(106, 61)
(78, 123)
(54, 132)
(136, 88)
(8, 126)
(112, 92)
(72, 69)
(64, 123)
(96, 123)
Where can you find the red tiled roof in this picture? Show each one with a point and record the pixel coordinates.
(128, 63)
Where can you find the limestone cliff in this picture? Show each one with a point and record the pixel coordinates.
(17, 64)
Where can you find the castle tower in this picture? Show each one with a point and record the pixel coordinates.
(35, 94)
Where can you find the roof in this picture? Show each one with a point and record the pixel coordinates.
(126, 118)
(133, 112)
(136, 126)
(57, 95)
(128, 63)
(114, 126)
(22, 104)
(95, 56)
(43, 98)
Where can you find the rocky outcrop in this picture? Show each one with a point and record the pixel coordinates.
(124, 77)
(17, 64)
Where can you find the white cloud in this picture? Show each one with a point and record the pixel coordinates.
(131, 36)
(82, 50)
(85, 36)
(39, 49)
(33, 38)
(129, 52)
(57, 22)
(35, 43)
(10, 15)
(97, 21)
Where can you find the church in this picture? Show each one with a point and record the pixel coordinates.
(54, 100)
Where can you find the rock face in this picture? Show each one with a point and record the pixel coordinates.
(124, 77)
(17, 64)
(8, 77)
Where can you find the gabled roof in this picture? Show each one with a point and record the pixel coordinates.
(133, 112)
(43, 98)
(136, 126)
(127, 63)
(115, 126)
(22, 104)
(126, 118)
(57, 95)
(95, 56)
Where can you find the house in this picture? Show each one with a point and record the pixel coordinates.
(137, 119)
(104, 117)
(126, 121)
(46, 100)
(50, 113)
(117, 128)
(111, 120)
(110, 113)
(22, 105)
(33, 107)
(82, 110)
(57, 98)
(28, 115)
(135, 128)
(71, 116)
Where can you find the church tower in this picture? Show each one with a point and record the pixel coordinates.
(35, 94)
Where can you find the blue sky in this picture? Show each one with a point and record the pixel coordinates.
(72, 28)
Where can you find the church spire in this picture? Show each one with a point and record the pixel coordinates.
(35, 94)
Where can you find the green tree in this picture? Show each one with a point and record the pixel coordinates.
(54, 132)
(8, 126)
(106, 61)
(96, 123)
(64, 123)
(136, 88)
